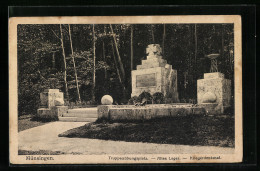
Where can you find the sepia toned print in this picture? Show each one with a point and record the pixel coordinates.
(125, 89)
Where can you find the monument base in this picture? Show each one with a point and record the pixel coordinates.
(214, 108)
(131, 112)
(53, 111)
(214, 92)
(52, 97)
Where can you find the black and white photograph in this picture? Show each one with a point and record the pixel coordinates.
(139, 89)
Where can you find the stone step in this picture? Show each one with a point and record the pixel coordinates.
(152, 61)
(181, 105)
(208, 105)
(153, 65)
(76, 119)
(83, 110)
(81, 115)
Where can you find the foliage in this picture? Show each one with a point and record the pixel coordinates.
(45, 118)
(158, 98)
(184, 130)
(168, 100)
(40, 152)
(145, 96)
(41, 65)
(77, 104)
(133, 100)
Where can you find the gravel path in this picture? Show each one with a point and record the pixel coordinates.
(45, 137)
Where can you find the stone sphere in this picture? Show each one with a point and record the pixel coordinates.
(106, 100)
(209, 98)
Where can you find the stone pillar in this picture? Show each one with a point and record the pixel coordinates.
(214, 92)
(155, 75)
(51, 97)
(52, 103)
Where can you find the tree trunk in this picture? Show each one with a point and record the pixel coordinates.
(231, 58)
(104, 57)
(53, 60)
(74, 66)
(117, 51)
(152, 33)
(94, 64)
(117, 70)
(164, 32)
(65, 65)
(195, 36)
(190, 54)
(132, 48)
(222, 45)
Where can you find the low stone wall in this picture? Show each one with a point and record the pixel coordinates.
(131, 112)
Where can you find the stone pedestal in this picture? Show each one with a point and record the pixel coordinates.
(51, 97)
(214, 92)
(52, 103)
(53, 111)
(155, 75)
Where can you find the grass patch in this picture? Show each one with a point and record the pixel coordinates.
(40, 152)
(45, 118)
(27, 122)
(188, 130)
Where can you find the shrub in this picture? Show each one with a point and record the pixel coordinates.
(45, 118)
(146, 96)
(193, 101)
(133, 100)
(66, 102)
(28, 100)
(229, 110)
(168, 100)
(124, 101)
(158, 98)
(78, 103)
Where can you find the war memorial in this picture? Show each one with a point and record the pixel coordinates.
(154, 75)
(93, 92)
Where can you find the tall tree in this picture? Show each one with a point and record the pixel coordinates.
(132, 48)
(104, 53)
(35, 65)
(152, 32)
(196, 43)
(94, 64)
(118, 72)
(118, 55)
(74, 65)
(53, 59)
(64, 61)
(164, 33)
(222, 41)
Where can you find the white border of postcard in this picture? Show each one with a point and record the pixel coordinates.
(105, 159)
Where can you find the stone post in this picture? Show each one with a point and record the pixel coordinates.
(52, 103)
(214, 92)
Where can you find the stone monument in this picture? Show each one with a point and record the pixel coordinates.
(155, 75)
(214, 91)
(52, 103)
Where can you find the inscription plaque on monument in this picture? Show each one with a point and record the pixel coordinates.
(155, 75)
(146, 80)
(51, 97)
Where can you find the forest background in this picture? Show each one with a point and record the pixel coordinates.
(87, 61)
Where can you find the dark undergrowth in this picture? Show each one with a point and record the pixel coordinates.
(188, 130)
(40, 152)
(31, 121)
